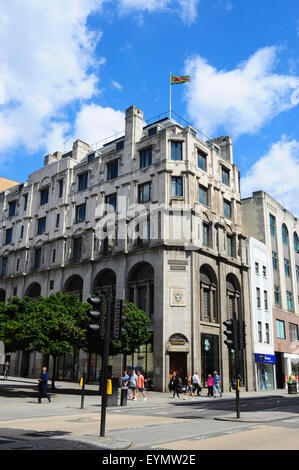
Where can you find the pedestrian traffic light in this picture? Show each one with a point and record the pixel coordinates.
(118, 318)
(242, 335)
(231, 333)
(98, 315)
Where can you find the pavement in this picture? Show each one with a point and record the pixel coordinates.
(79, 427)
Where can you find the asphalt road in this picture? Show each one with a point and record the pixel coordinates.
(268, 421)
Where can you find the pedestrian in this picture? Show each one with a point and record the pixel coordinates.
(196, 383)
(125, 380)
(43, 385)
(140, 385)
(216, 386)
(176, 383)
(133, 385)
(210, 384)
(6, 370)
(189, 387)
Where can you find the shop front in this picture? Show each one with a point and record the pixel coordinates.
(265, 371)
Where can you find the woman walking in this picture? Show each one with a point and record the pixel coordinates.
(189, 387)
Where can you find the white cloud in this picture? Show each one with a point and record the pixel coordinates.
(241, 100)
(94, 123)
(186, 9)
(46, 52)
(117, 85)
(276, 173)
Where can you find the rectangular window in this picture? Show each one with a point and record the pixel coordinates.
(258, 297)
(77, 248)
(145, 192)
(4, 266)
(82, 181)
(280, 329)
(267, 333)
(145, 156)
(264, 271)
(272, 225)
(53, 256)
(229, 242)
(276, 295)
(286, 267)
(25, 201)
(274, 260)
(41, 226)
(290, 301)
(152, 131)
(265, 300)
(203, 195)
(18, 264)
(8, 236)
(112, 170)
(202, 160)
(15, 291)
(12, 208)
(120, 145)
(297, 273)
(91, 157)
(176, 186)
(259, 331)
(22, 232)
(205, 230)
(80, 213)
(294, 333)
(44, 196)
(57, 220)
(225, 176)
(111, 202)
(227, 211)
(176, 150)
(257, 268)
(51, 285)
(37, 258)
(60, 183)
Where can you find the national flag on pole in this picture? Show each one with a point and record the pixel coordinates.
(175, 79)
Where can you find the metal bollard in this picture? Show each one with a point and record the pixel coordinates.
(123, 397)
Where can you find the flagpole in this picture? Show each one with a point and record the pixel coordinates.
(170, 95)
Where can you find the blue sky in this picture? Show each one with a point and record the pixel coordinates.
(69, 69)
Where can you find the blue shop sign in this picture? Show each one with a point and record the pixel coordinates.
(265, 358)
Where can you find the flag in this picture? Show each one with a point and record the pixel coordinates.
(175, 79)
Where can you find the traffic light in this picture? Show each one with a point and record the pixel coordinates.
(98, 315)
(118, 319)
(231, 333)
(242, 335)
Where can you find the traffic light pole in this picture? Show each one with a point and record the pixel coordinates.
(104, 374)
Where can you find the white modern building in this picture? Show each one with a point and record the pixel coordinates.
(262, 320)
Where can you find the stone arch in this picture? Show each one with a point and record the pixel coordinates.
(233, 294)
(74, 285)
(33, 290)
(141, 286)
(285, 234)
(105, 282)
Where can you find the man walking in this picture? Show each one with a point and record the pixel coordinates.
(196, 383)
(43, 385)
(140, 385)
(133, 387)
(216, 386)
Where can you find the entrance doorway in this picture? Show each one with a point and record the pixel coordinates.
(209, 355)
(178, 362)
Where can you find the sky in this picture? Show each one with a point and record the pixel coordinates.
(69, 69)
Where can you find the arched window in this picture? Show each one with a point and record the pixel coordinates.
(34, 290)
(285, 235)
(74, 285)
(141, 287)
(208, 294)
(233, 292)
(105, 283)
(2, 295)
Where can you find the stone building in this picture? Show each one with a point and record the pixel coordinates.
(155, 215)
(266, 220)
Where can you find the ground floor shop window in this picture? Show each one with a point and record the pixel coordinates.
(67, 366)
(142, 360)
(232, 366)
(265, 376)
(209, 355)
